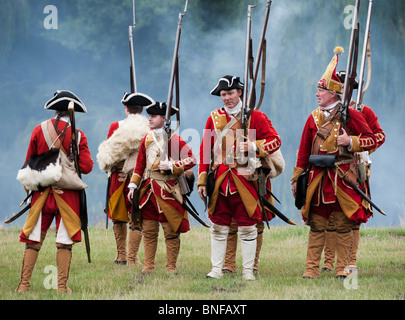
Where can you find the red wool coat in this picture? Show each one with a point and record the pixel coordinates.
(228, 179)
(67, 200)
(321, 182)
(156, 187)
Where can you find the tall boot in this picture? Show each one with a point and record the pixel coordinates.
(120, 233)
(259, 242)
(219, 235)
(316, 243)
(172, 240)
(28, 264)
(343, 244)
(231, 247)
(29, 260)
(63, 259)
(150, 230)
(354, 248)
(248, 237)
(134, 241)
(330, 250)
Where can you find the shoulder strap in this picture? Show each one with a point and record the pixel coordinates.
(50, 135)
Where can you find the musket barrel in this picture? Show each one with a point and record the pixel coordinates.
(351, 48)
(259, 52)
(131, 53)
(364, 56)
(246, 70)
(174, 66)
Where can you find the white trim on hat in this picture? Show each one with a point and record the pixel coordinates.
(77, 100)
(129, 96)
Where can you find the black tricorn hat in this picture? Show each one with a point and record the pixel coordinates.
(342, 76)
(159, 108)
(227, 83)
(137, 99)
(60, 101)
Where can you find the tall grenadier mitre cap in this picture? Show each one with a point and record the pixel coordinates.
(227, 83)
(137, 99)
(330, 81)
(60, 101)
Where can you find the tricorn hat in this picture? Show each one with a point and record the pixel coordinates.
(330, 81)
(137, 99)
(60, 101)
(227, 83)
(159, 108)
(342, 76)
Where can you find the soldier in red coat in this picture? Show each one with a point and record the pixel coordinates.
(117, 156)
(234, 187)
(328, 188)
(365, 162)
(159, 164)
(53, 202)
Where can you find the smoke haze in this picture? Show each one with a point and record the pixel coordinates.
(89, 55)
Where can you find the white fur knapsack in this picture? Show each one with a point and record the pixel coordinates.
(123, 142)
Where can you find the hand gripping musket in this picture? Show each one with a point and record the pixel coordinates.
(249, 99)
(82, 193)
(366, 55)
(174, 79)
(174, 75)
(131, 51)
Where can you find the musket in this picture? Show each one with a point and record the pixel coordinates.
(82, 193)
(131, 51)
(365, 55)
(174, 74)
(260, 58)
(246, 110)
(351, 66)
(350, 77)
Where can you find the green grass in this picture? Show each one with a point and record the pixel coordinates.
(381, 259)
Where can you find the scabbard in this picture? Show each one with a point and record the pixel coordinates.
(194, 214)
(276, 211)
(369, 201)
(19, 214)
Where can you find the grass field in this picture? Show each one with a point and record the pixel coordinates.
(381, 259)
